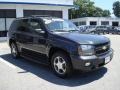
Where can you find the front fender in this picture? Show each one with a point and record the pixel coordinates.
(67, 46)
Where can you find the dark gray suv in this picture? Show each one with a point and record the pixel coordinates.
(58, 43)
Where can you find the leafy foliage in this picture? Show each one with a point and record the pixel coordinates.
(116, 8)
(87, 9)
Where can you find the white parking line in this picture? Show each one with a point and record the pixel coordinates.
(7, 63)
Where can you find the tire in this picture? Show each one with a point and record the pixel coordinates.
(14, 50)
(61, 65)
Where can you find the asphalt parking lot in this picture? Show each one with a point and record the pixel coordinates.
(20, 74)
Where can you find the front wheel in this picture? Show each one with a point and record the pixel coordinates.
(14, 50)
(61, 65)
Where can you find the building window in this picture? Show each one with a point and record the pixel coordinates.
(93, 22)
(2, 24)
(82, 23)
(76, 23)
(115, 23)
(43, 12)
(6, 18)
(7, 13)
(104, 22)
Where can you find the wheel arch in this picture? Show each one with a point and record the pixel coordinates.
(57, 49)
(11, 41)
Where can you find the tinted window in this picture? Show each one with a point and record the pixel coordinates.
(14, 25)
(11, 13)
(82, 23)
(2, 14)
(104, 22)
(35, 24)
(43, 12)
(22, 25)
(56, 24)
(24, 22)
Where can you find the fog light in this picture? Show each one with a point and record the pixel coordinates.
(87, 64)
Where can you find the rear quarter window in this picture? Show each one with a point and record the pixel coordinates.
(18, 23)
(14, 25)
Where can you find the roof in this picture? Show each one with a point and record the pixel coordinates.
(95, 18)
(40, 2)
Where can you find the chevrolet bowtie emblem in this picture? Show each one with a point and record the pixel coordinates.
(105, 47)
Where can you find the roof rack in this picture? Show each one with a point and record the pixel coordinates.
(21, 18)
(40, 16)
(34, 16)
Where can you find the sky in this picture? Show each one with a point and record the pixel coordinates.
(105, 4)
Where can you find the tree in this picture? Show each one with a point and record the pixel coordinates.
(116, 8)
(98, 12)
(101, 13)
(106, 13)
(87, 9)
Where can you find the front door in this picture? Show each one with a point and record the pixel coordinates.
(38, 46)
(39, 36)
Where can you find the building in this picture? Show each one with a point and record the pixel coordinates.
(10, 9)
(97, 21)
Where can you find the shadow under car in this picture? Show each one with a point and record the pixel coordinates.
(45, 73)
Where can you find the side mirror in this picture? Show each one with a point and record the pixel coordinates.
(40, 31)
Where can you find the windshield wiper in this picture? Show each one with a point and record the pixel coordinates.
(62, 30)
(73, 30)
(59, 30)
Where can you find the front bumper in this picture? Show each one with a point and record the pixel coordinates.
(95, 61)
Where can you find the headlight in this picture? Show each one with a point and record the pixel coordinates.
(86, 50)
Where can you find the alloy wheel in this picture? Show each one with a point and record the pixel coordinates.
(60, 65)
(13, 50)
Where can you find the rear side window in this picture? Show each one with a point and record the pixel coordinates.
(14, 25)
(23, 24)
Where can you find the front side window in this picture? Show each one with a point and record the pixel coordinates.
(60, 25)
(35, 24)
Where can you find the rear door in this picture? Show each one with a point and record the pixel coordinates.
(24, 35)
(31, 36)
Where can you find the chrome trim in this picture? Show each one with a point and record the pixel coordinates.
(93, 57)
(101, 49)
(88, 57)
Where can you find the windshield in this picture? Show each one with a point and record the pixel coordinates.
(60, 25)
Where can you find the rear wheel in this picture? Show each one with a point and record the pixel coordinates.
(14, 50)
(61, 65)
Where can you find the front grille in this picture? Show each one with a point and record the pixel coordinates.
(102, 48)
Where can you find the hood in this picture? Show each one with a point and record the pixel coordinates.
(84, 38)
